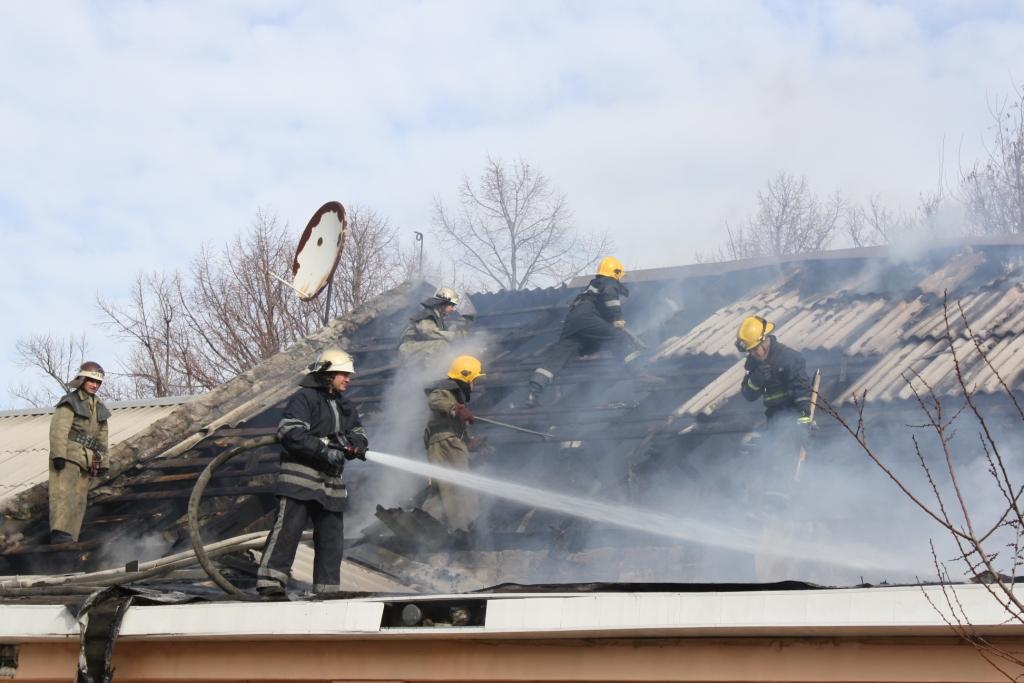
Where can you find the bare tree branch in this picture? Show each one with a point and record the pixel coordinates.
(514, 230)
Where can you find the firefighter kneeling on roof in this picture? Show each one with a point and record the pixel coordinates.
(447, 439)
(319, 431)
(78, 444)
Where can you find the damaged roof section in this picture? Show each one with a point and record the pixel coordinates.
(686, 445)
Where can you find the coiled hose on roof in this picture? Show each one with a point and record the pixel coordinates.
(193, 515)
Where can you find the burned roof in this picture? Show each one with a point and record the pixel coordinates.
(687, 447)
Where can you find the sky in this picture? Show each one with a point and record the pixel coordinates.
(133, 132)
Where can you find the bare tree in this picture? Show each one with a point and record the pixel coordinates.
(988, 543)
(151, 321)
(513, 229)
(993, 188)
(191, 332)
(875, 223)
(790, 219)
(56, 359)
(371, 263)
(235, 313)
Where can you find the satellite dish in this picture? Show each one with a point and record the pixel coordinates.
(319, 250)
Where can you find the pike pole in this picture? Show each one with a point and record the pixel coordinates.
(524, 430)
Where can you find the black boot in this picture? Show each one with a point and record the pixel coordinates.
(59, 537)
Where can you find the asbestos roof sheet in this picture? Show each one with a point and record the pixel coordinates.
(920, 364)
(25, 438)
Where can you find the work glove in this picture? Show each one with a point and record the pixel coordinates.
(335, 459)
(357, 446)
(805, 419)
(620, 324)
(475, 443)
(761, 374)
(463, 414)
(58, 463)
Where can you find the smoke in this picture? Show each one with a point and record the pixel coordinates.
(398, 426)
(621, 494)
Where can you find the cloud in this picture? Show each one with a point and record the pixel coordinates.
(132, 132)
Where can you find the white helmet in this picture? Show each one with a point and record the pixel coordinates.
(447, 294)
(333, 360)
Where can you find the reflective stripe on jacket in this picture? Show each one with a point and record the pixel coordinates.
(313, 417)
(787, 386)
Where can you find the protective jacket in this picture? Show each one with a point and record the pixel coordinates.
(442, 400)
(313, 418)
(601, 298)
(780, 380)
(428, 324)
(446, 446)
(78, 429)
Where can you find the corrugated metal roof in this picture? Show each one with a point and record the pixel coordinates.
(25, 438)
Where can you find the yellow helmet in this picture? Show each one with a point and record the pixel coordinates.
(466, 369)
(752, 332)
(612, 267)
(333, 360)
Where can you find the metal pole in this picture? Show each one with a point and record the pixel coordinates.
(327, 302)
(419, 263)
(513, 427)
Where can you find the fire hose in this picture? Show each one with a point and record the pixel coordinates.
(193, 515)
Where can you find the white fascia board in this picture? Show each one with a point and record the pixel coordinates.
(253, 619)
(896, 610)
(882, 611)
(28, 623)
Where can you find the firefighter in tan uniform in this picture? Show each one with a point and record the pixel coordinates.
(429, 333)
(448, 443)
(78, 446)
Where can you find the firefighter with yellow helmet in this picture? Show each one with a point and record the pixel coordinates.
(78, 448)
(447, 437)
(594, 320)
(429, 332)
(775, 373)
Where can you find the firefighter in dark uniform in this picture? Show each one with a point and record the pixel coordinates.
(594, 321)
(428, 333)
(775, 373)
(448, 443)
(78, 445)
(319, 431)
